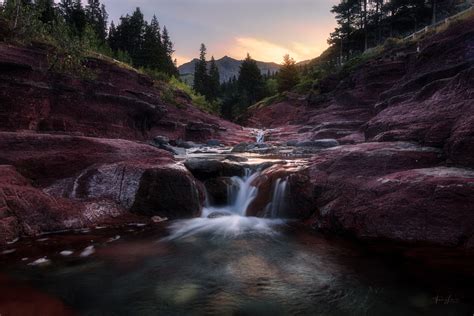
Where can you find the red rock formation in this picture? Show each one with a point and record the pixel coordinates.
(400, 95)
(83, 181)
(116, 103)
(383, 190)
(28, 211)
(393, 191)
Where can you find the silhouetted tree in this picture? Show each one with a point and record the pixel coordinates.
(200, 72)
(250, 81)
(288, 76)
(213, 81)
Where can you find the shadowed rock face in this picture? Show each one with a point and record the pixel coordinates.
(116, 103)
(168, 192)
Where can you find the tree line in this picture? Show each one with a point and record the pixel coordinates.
(234, 96)
(143, 44)
(367, 23)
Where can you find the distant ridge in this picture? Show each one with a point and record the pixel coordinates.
(228, 67)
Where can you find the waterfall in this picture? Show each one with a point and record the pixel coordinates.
(277, 205)
(260, 138)
(240, 193)
(230, 220)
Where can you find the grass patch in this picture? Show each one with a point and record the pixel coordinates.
(268, 101)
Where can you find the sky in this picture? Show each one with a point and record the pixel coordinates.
(267, 29)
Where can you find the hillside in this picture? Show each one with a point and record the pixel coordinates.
(126, 103)
(228, 67)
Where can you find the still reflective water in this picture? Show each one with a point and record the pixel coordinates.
(289, 271)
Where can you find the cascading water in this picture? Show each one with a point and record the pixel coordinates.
(277, 205)
(240, 193)
(260, 138)
(231, 220)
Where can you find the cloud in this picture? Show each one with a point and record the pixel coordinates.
(264, 50)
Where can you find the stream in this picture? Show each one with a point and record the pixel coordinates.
(225, 263)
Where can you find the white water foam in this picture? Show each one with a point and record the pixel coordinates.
(228, 221)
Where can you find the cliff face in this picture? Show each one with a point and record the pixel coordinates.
(405, 122)
(117, 103)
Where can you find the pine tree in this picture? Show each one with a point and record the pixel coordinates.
(74, 16)
(97, 18)
(213, 81)
(167, 44)
(200, 72)
(250, 82)
(153, 53)
(112, 37)
(288, 76)
(47, 11)
(144, 43)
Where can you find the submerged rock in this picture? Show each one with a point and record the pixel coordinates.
(218, 214)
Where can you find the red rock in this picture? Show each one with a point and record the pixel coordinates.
(395, 192)
(299, 198)
(27, 211)
(118, 103)
(87, 181)
(46, 158)
(400, 95)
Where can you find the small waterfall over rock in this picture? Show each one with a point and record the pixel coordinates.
(278, 201)
(231, 220)
(260, 138)
(240, 193)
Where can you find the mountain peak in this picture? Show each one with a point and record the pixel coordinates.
(228, 68)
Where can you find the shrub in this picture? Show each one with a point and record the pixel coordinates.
(198, 100)
(156, 75)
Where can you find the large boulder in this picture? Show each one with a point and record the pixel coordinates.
(170, 192)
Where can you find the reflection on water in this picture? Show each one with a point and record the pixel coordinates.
(290, 273)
